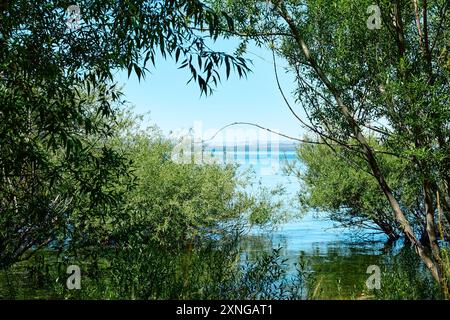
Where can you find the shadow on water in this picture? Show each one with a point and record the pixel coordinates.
(311, 260)
(335, 260)
(337, 267)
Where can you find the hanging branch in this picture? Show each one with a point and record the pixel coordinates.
(263, 128)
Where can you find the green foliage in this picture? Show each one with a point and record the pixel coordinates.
(336, 183)
(76, 182)
(342, 276)
(172, 203)
(208, 272)
(403, 278)
(59, 179)
(171, 234)
(355, 85)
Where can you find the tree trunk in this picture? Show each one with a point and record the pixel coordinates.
(370, 157)
(431, 227)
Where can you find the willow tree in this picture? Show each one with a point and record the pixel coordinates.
(366, 72)
(57, 98)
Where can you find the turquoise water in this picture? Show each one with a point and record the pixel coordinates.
(338, 255)
(334, 260)
(310, 231)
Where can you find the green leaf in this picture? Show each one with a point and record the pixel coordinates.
(228, 67)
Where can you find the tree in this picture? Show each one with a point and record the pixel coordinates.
(339, 185)
(353, 81)
(58, 99)
(175, 204)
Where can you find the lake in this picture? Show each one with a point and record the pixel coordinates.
(339, 257)
(325, 261)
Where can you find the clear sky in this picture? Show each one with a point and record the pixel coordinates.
(173, 105)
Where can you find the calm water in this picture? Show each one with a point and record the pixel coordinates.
(338, 256)
(335, 258)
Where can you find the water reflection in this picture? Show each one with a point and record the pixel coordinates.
(338, 267)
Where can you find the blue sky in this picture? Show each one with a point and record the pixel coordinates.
(173, 105)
